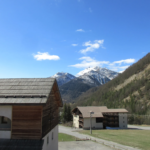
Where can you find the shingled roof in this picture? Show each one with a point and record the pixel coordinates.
(26, 90)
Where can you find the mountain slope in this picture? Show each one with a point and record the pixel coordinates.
(130, 90)
(63, 78)
(73, 89)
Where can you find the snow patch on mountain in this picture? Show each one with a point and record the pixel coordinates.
(63, 77)
(96, 75)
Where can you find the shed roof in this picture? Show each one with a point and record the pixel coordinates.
(26, 90)
(19, 144)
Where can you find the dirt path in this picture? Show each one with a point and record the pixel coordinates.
(138, 127)
(80, 145)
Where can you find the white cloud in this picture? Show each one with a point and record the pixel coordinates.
(92, 46)
(119, 65)
(90, 10)
(115, 66)
(45, 56)
(80, 30)
(88, 62)
(74, 44)
(118, 68)
(128, 61)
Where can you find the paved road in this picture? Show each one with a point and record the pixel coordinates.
(138, 127)
(80, 145)
(73, 132)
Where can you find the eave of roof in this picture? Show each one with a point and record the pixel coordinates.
(117, 110)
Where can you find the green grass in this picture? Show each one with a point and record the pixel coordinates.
(133, 138)
(65, 137)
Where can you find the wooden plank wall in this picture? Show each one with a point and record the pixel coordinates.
(27, 122)
(50, 113)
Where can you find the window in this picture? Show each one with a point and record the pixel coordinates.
(52, 136)
(3, 120)
(99, 120)
(47, 139)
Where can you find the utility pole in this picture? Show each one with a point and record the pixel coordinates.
(90, 123)
(91, 112)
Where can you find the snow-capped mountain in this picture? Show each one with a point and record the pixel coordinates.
(96, 76)
(63, 77)
(93, 76)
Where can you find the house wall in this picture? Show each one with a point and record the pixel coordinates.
(27, 122)
(50, 117)
(5, 111)
(123, 120)
(5, 125)
(76, 121)
(52, 143)
(5, 134)
(86, 123)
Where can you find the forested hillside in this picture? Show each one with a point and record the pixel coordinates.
(73, 89)
(130, 90)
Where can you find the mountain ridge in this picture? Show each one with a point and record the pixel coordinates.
(89, 79)
(94, 76)
(63, 77)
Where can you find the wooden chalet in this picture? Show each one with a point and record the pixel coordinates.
(29, 109)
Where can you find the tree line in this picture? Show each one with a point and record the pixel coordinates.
(66, 115)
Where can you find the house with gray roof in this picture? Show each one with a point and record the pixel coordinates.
(29, 113)
(101, 117)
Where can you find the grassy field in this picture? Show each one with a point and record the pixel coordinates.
(134, 138)
(65, 137)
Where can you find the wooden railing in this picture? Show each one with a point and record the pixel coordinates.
(80, 115)
(81, 124)
(111, 119)
(81, 120)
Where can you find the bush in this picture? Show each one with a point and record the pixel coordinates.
(68, 124)
(131, 119)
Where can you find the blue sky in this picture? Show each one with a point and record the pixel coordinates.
(39, 38)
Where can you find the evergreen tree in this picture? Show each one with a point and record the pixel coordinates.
(69, 114)
(64, 114)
